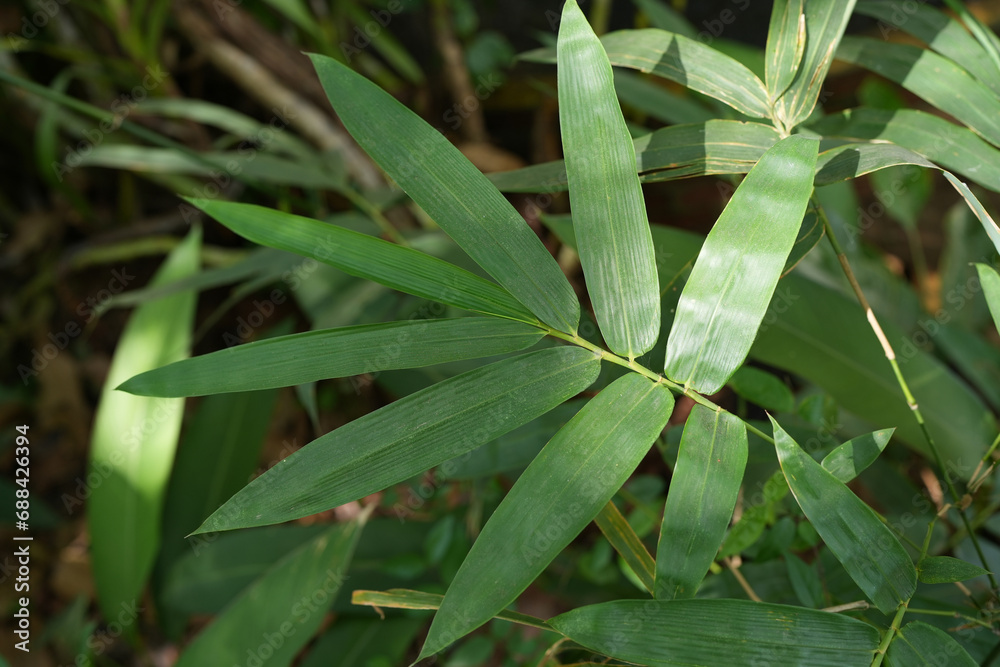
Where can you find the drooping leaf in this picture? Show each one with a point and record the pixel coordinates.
(409, 436)
(562, 490)
(271, 610)
(703, 490)
(989, 279)
(736, 633)
(333, 353)
(992, 230)
(762, 388)
(850, 459)
(731, 284)
(684, 60)
(825, 21)
(609, 213)
(942, 142)
(947, 570)
(635, 91)
(852, 160)
(866, 548)
(367, 257)
(937, 80)
(455, 194)
(786, 42)
(918, 644)
(626, 542)
(134, 440)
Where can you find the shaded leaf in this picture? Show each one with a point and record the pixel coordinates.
(665, 17)
(409, 436)
(806, 581)
(626, 542)
(609, 214)
(703, 490)
(364, 643)
(992, 230)
(562, 490)
(401, 598)
(989, 279)
(947, 570)
(762, 388)
(656, 101)
(866, 548)
(853, 160)
(850, 459)
(917, 644)
(731, 284)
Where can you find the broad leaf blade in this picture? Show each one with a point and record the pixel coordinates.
(313, 572)
(736, 633)
(866, 548)
(918, 644)
(334, 353)
(453, 192)
(850, 459)
(562, 490)
(703, 491)
(762, 388)
(409, 436)
(731, 284)
(947, 570)
(852, 160)
(134, 439)
(367, 257)
(609, 214)
(786, 41)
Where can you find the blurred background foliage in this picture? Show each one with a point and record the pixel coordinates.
(112, 108)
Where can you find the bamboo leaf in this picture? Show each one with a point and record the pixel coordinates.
(609, 213)
(623, 538)
(453, 192)
(850, 459)
(992, 230)
(134, 440)
(334, 353)
(401, 598)
(736, 633)
(825, 21)
(367, 257)
(947, 570)
(703, 490)
(662, 15)
(990, 281)
(866, 548)
(634, 90)
(273, 605)
(944, 143)
(563, 489)
(409, 436)
(852, 160)
(918, 644)
(762, 388)
(738, 267)
(684, 60)
(786, 42)
(937, 80)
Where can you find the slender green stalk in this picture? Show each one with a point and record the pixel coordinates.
(889, 635)
(890, 355)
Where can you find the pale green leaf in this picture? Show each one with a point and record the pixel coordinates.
(850, 459)
(563, 489)
(918, 644)
(455, 194)
(409, 436)
(867, 549)
(609, 214)
(703, 490)
(737, 270)
(786, 42)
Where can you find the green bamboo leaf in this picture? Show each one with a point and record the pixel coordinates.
(937, 80)
(134, 440)
(684, 60)
(944, 143)
(707, 633)
(662, 15)
(367, 257)
(364, 642)
(731, 284)
(990, 281)
(562, 490)
(947, 570)
(825, 21)
(786, 43)
(850, 459)
(918, 644)
(334, 353)
(627, 543)
(283, 609)
(401, 598)
(700, 502)
(866, 548)
(939, 31)
(609, 213)
(852, 160)
(634, 90)
(763, 389)
(992, 230)
(409, 436)
(452, 191)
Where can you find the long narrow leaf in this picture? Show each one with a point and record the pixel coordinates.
(562, 490)
(401, 598)
(452, 191)
(703, 491)
(626, 542)
(609, 213)
(786, 42)
(865, 546)
(409, 436)
(990, 281)
(918, 644)
(852, 160)
(333, 353)
(134, 441)
(731, 284)
(990, 225)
